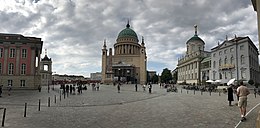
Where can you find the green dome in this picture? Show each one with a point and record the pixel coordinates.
(195, 38)
(127, 32)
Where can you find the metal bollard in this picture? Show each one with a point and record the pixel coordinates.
(49, 102)
(3, 120)
(55, 99)
(39, 107)
(194, 92)
(210, 93)
(25, 108)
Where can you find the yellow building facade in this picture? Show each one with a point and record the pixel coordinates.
(128, 62)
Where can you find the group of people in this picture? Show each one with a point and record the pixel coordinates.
(241, 92)
(136, 87)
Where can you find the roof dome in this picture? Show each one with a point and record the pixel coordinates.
(195, 37)
(127, 32)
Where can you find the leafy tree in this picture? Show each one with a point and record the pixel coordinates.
(175, 77)
(166, 76)
(155, 78)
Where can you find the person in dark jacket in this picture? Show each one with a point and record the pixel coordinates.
(230, 94)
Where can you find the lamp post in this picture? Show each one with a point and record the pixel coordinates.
(119, 75)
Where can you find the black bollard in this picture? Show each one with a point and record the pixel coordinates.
(39, 107)
(255, 95)
(194, 92)
(64, 95)
(210, 93)
(3, 120)
(49, 102)
(25, 107)
(55, 99)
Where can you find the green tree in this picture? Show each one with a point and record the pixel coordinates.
(175, 77)
(155, 78)
(166, 76)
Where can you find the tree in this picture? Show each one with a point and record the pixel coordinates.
(175, 77)
(155, 78)
(166, 76)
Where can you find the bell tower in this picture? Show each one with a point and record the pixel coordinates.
(104, 62)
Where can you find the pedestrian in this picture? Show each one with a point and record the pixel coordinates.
(118, 87)
(150, 88)
(1, 90)
(39, 88)
(9, 89)
(242, 92)
(136, 87)
(144, 86)
(71, 89)
(230, 94)
(97, 86)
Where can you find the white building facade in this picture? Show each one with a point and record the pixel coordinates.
(236, 58)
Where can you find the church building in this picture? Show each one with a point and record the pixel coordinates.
(129, 61)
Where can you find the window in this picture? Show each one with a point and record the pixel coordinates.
(22, 83)
(243, 74)
(225, 75)
(241, 47)
(242, 59)
(214, 75)
(23, 69)
(220, 53)
(231, 60)
(10, 82)
(220, 76)
(12, 53)
(225, 51)
(11, 69)
(24, 53)
(225, 61)
(220, 62)
(231, 49)
(214, 64)
(1, 52)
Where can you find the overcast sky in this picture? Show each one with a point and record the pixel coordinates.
(73, 31)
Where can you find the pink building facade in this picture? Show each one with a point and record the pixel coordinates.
(19, 61)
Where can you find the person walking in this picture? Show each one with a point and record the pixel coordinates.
(230, 95)
(150, 88)
(242, 92)
(136, 87)
(118, 87)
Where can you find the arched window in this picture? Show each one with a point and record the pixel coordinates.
(242, 59)
(220, 62)
(232, 60)
(225, 61)
(214, 64)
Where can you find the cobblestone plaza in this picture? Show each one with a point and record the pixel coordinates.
(128, 109)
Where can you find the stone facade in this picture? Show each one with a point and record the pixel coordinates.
(19, 61)
(128, 63)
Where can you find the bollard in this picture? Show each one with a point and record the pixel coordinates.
(194, 92)
(25, 107)
(39, 107)
(64, 95)
(55, 99)
(201, 93)
(181, 90)
(255, 95)
(210, 93)
(49, 102)
(3, 120)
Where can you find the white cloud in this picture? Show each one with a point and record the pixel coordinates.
(73, 30)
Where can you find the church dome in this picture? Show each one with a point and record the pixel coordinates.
(127, 32)
(195, 38)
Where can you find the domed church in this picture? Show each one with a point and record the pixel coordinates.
(128, 63)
